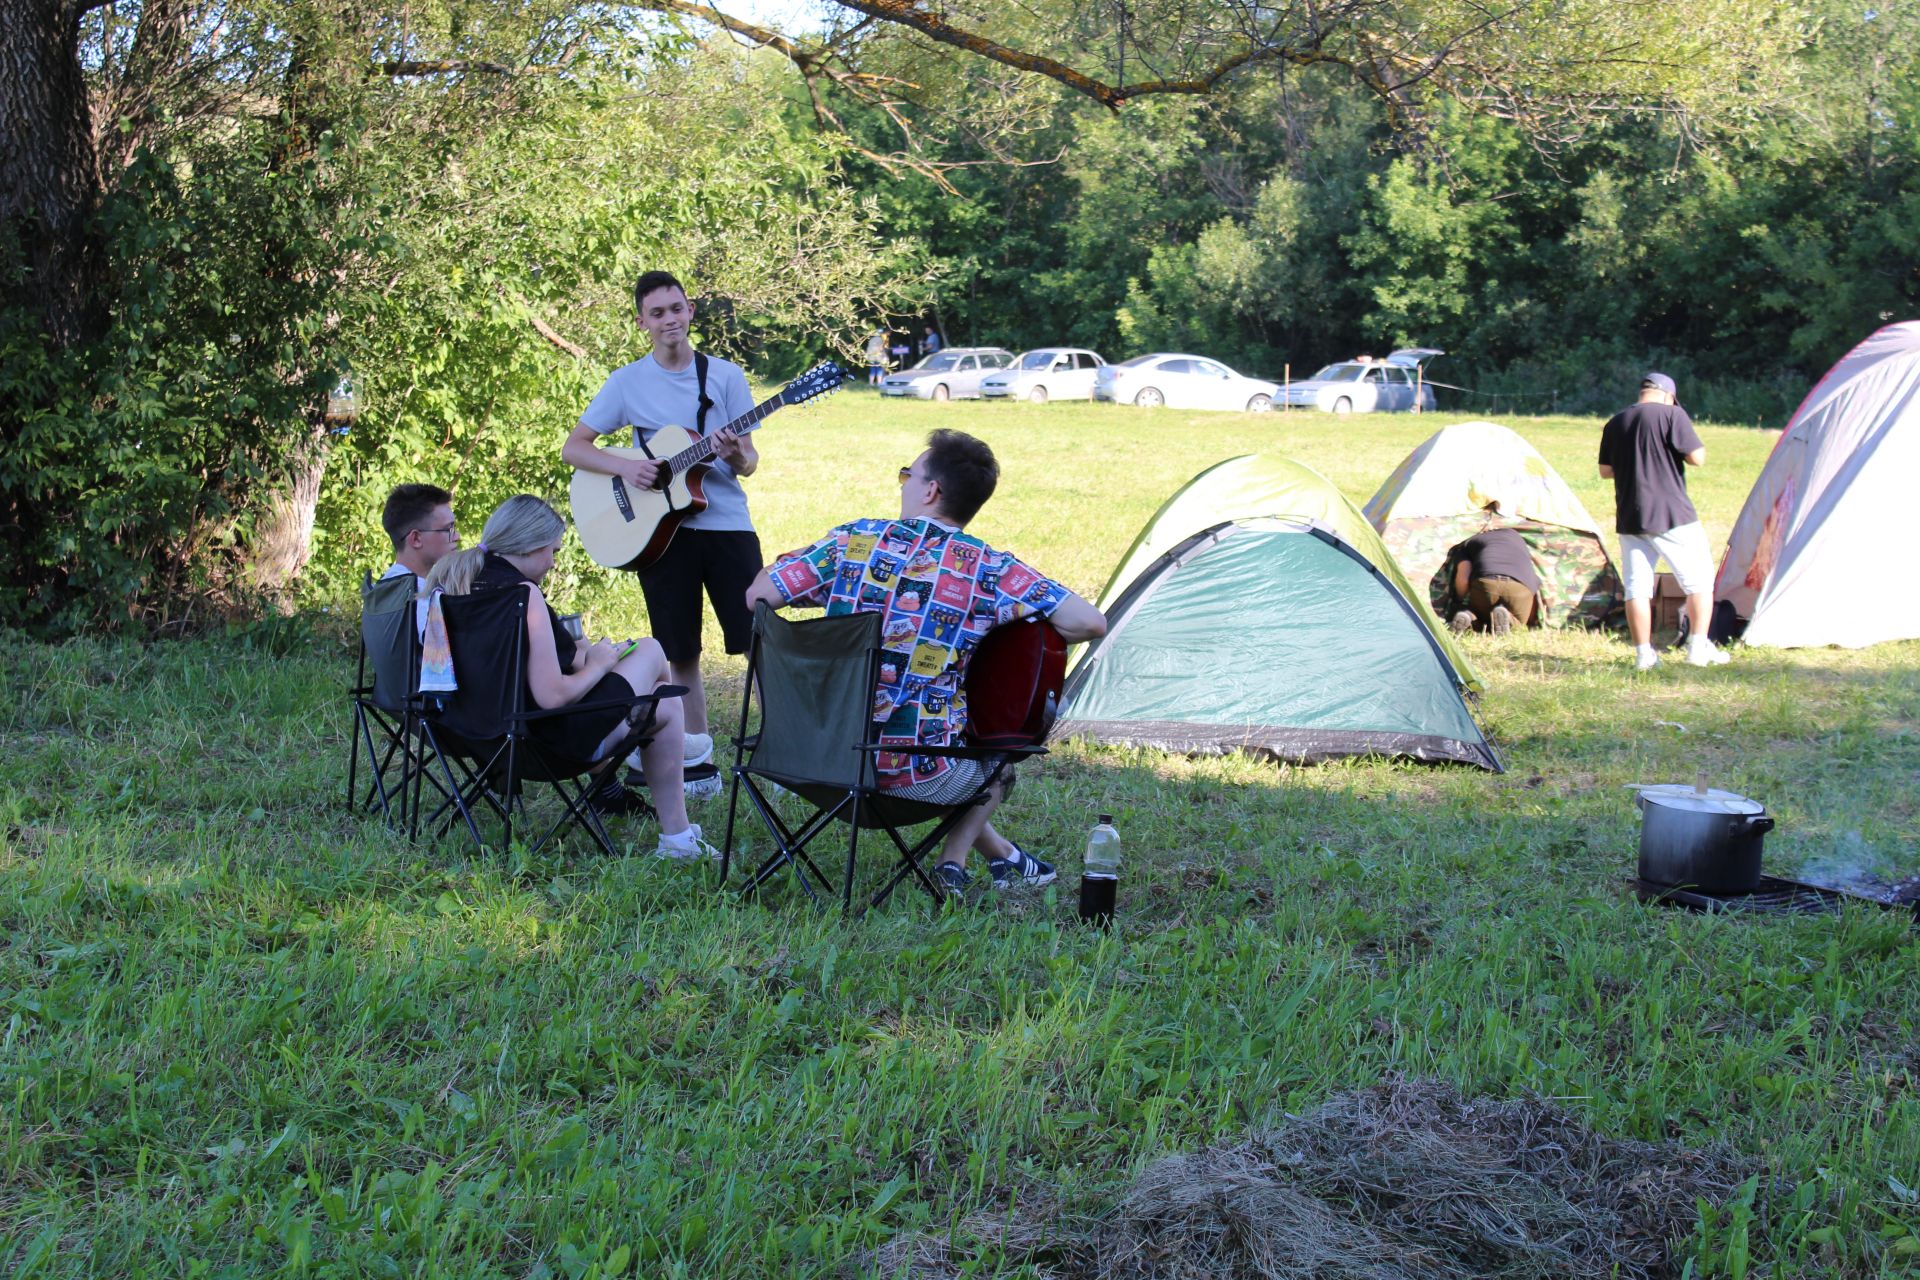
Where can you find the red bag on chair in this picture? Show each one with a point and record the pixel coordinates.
(1013, 685)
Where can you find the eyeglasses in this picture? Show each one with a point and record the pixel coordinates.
(452, 529)
(906, 474)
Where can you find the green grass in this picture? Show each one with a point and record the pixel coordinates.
(244, 1033)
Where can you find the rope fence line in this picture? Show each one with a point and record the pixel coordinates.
(1552, 397)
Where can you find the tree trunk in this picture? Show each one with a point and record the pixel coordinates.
(48, 182)
(283, 540)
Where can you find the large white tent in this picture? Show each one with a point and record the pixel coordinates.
(1807, 562)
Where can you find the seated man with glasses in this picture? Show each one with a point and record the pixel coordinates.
(941, 590)
(419, 520)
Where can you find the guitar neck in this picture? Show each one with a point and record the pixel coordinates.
(702, 450)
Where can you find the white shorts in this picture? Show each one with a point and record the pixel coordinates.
(1685, 548)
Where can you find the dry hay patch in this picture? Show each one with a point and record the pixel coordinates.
(1404, 1181)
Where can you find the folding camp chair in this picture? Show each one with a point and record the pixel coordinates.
(480, 735)
(385, 725)
(814, 685)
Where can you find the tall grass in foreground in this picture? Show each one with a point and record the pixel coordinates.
(245, 1033)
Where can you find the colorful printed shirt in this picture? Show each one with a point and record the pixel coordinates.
(941, 591)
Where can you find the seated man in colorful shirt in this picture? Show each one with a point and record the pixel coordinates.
(941, 590)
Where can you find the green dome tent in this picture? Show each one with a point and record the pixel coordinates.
(1258, 611)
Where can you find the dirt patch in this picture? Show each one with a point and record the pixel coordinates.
(1404, 1181)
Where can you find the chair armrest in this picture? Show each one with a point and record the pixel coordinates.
(604, 704)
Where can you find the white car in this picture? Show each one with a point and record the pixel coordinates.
(1367, 386)
(1050, 373)
(953, 374)
(1182, 382)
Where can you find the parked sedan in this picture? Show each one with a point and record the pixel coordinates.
(1182, 382)
(1051, 373)
(1367, 386)
(953, 374)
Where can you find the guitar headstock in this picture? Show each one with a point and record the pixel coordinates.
(817, 381)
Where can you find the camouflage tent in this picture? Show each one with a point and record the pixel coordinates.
(1475, 476)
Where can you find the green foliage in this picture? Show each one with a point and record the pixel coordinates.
(132, 461)
(546, 217)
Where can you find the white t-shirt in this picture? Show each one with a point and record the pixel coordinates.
(646, 397)
(420, 605)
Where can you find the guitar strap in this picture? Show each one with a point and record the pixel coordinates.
(700, 381)
(700, 414)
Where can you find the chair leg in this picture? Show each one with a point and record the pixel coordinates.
(791, 850)
(377, 792)
(456, 795)
(513, 776)
(353, 754)
(853, 858)
(911, 856)
(733, 805)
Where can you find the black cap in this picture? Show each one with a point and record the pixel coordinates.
(1107, 818)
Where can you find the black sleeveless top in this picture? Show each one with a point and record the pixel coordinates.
(496, 573)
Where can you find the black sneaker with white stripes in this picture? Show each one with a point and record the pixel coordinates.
(1020, 869)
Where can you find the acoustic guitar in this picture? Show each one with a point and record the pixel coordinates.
(627, 528)
(1013, 685)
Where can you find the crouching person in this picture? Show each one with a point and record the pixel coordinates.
(941, 590)
(1494, 584)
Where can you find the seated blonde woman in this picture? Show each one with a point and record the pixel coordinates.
(517, 549)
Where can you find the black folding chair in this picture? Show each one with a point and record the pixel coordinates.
(385, 712)
(813, 683)
(480, 736)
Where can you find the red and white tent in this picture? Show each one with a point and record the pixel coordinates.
(1807, 563)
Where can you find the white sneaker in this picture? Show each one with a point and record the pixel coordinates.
(698, 750)
(703, 788)
(684, 845)
(1704, 653)
(1645, 659)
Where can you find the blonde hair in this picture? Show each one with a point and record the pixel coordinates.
(519, 526)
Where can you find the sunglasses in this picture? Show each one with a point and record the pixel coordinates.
(906, 474)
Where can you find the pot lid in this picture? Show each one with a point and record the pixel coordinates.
(1678, 795)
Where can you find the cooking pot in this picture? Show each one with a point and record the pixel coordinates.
(1704, 838)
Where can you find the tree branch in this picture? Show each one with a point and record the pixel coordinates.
(541, 327)
(906, 13)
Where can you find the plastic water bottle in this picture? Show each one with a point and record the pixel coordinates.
(1100, 873)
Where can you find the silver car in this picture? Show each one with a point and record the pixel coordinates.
(1182, 382)
(1049, 373)
(953, 374)
(1367, 386)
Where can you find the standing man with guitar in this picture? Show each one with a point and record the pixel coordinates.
(716, 550)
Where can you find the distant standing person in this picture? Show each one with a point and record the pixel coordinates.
(876, 357)
(1645, 450)
(931, 342)
(716, 550)
(1494, 582)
